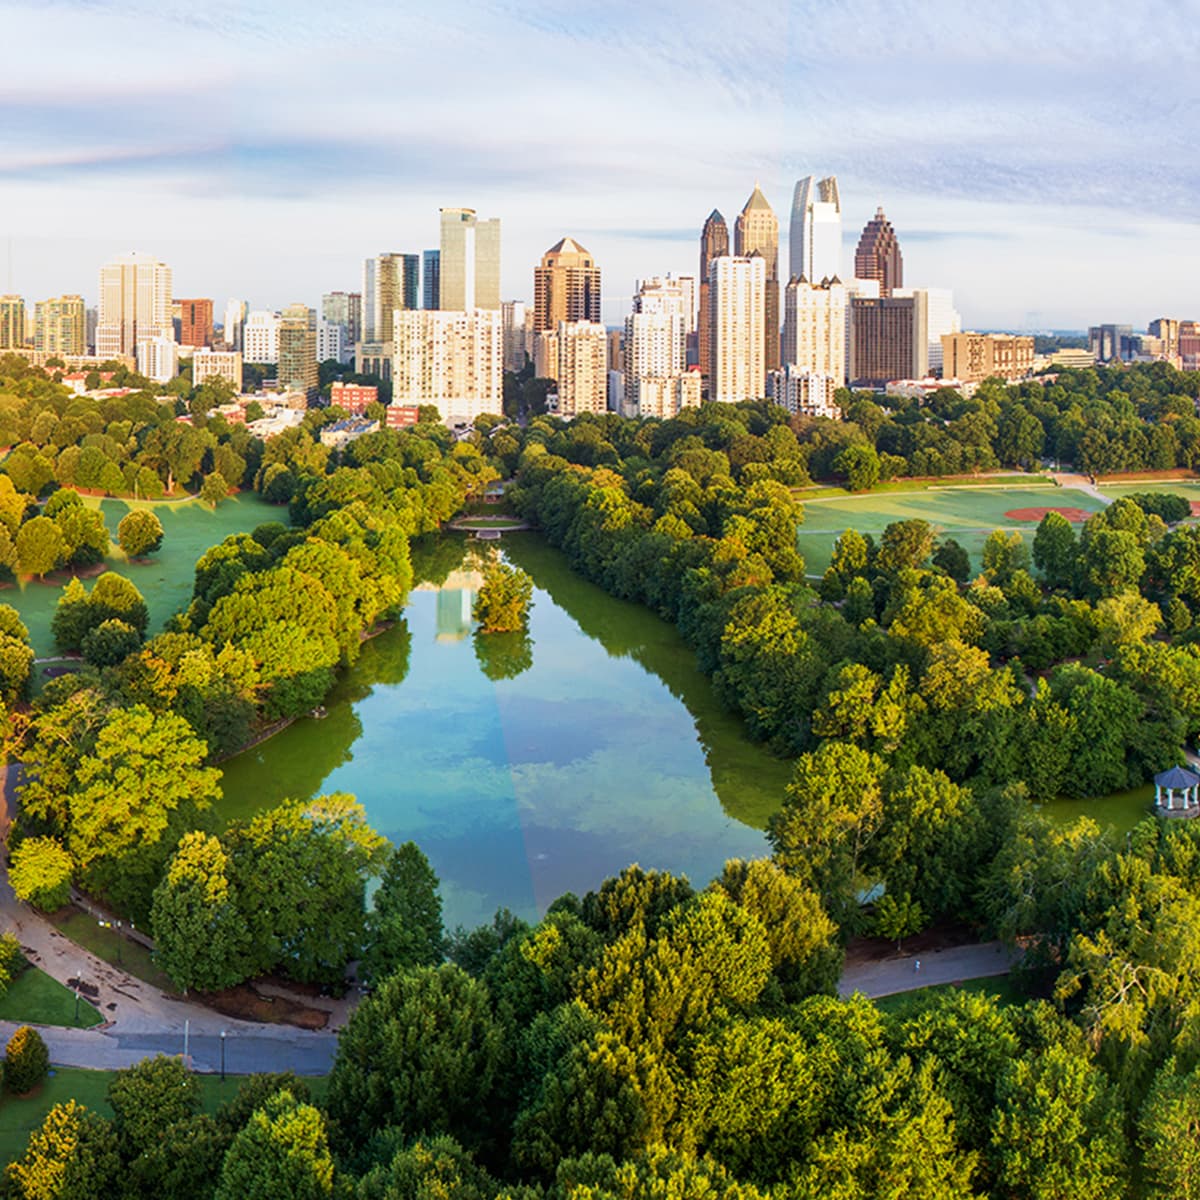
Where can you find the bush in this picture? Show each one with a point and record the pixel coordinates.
(111, 642)
(140, 533)
(12, 961)
(41, 873)
(26, 1061)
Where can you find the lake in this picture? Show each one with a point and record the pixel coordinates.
(526, 768)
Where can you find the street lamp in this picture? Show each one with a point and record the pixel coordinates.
(222, 1056)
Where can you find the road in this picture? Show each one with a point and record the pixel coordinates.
(900, 974)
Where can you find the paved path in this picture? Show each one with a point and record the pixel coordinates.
(1081, 483)
(899, 974)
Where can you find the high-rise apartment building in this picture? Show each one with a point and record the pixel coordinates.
(815, 233)
(579, 350)
(261, 338)
(218, 364)
(737, 300)
(158, 357)
(757, 232)
(135, 303)
(332, 342)
(298, 350)
(390, 281)
(234, 325)
(971, 357)
(468, 261)
(655, 343)
(195, 322)
(345, 309)
(941, 318)
(714, 243)
(566, 287)
(513, 322)
(431, 278)
(451, 360)
(60, 326)
(666, 397)
(1166, 328)
(814, 327)
(888, 339)
(878, 255)
(12, 323)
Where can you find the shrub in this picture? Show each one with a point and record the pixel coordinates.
(26, 1061)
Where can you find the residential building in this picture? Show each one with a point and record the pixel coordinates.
(12, 322)
(654, 344)
(513, 321)
(298, 350)
(135, 304)
(579, 353)
(60, 326)
(1189, 345)
(566, 287)
(340, 434)
(353, 398)
(888, 339)
(878, 255)
(1166, 328)
(195, 322)
(235, 323)
(867, 288)
(814, 327)
(390, 281)
(402, 416)
(431, 277)
(972, 357)
(221, 364)
(942, 318)
(757, 232)
(805, 393)
(714, 243)
(346, 309)
(468, 261)
(374, 358)
(737, 303)
(158, 357)
(452, 360)
(260, 338)
(815, 233)
(333, 342)
(666, 396)
(1111, 343)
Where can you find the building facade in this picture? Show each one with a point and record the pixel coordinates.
(452, 360)
(468, 261)
(714, 243)
(345, 309)
(352, 398)
(972, 357)
(941, 318)
(260, 338)
(60, 326)
(888, 340)
(666, 397)
(218, 364)
(195, 322)
(878, 255)
(390, 281)
(514, 321)
(233, 328)
(298, 350)
(158, 358)
(12, 323)
(333, 342)
(815, 232)
(1112, 343)
(431, 278)
(737, 300)
(566, 287)
(580, 350)
(757, 233)
(135, 304)
(805, 393)
(814, 327)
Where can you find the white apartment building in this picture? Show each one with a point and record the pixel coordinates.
(666, 397)
(158, 358)
(223, 364)
(737, 304)
(449, 359)
(579, 352)
(814, 327)
(260, 338)
(655, 347)
(135, 304)
(805, 393)
(331, 341)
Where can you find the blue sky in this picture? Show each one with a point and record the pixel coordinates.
(1039, 158)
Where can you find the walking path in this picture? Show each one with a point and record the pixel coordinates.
(1082, 483)
(899, 974)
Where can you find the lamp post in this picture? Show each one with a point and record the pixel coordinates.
(222, 1056)
(119, 936)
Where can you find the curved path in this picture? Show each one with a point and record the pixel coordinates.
(900, 973)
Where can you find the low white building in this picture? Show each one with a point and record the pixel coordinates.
(342, 433)
(665, 396)
(221, 364)
(804, 393)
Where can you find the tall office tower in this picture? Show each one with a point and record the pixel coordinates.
(566, 287)
(298, 350)
(512, 322)
(581, 349)
(738, 304)
(431, 278)
(12, 323)
(814, 327)
(1112, 342)
(1166, 328)
(93, 320)
(390, 281)
(714, 243)
(941, 318)
(345, 309)
(468, 261)
(260, 343)
(135, 303)
(815, 234)
(195, 322)
(60, 326)
(233, 329)
(757, 232)
(158, 357)
(878, 255)
(449, 359)
(888, 339)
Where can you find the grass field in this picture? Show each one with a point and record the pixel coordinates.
(1120, 811)
(189, 529)
(1189, 491)
(966, 514)
(36, 999)
(84, 930)
(910, 1004)
(19, 1116)
(1016, 479)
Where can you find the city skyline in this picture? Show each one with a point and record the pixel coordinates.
(1005, 163)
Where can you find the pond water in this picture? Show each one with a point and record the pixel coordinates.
(526, 769)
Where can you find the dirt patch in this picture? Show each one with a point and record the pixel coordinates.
(246, 1003)
(1195, 508)
(1075, 515)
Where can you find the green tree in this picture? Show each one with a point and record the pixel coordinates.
(41, 872)
(1169, 1133)
(860, 466)
(72, 616)
(953, 559)
(282, 1151)
(404, 928)
(898, 917)
(26, 1061)
(1055, 550)
(1125, 619)
(1004, 553)
(148, 1099)
(502, 604)
(72, 1156)
(41, 546)
(114, 598)
(214, 489)
(109, 643)
(140, 533)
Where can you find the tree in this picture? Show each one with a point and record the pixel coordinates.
(41, 546)
(898, 917)
(16, 656)
(503, 655)
(860, 465)
(72, 616)
(953, 559)
(502, 605)
(1126, 619)
(114, 597)
(110, 643)
(1004, 553)
(404, 928)
(200, 934)
(214, 489)
(1055, 550)
(148, 1099)
(72, 1156)
(1169, 1131)
(41, 873)
(282, 1151)
(26, 1061)
(140, 533)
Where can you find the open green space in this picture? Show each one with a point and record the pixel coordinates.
(1119, 811)
(33, 998)
(165, 580)
(1013, 479)
(84, 930)
(966, 514)
(21, 1115)
(910, 1004)
(1189, 491)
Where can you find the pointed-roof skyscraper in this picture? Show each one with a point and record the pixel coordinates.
(714, 243)
(757, 230)
(566, 287)
(815, 234)
(878, 255)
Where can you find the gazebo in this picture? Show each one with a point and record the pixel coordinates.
(1177, 792)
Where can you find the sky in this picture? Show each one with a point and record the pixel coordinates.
(1036, 157)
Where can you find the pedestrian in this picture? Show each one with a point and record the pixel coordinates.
(916, 965)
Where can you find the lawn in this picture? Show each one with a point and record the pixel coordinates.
(966, 514)
(910, 1004)
(34, 998)
(1010, 479)
(84, 930)
(20, 1116)
(189, 529)
(1119, 811)
(1189, 491)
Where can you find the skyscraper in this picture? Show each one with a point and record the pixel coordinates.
(888, 339)
(513, 322)
(757, 232)
(451, 359)
(581, 352)
(714, 243)
(737, 300)
(389, 282)
(60, 326)
(298, 350)
(815, 235)
(468, 261)
(345, 309)
(431, 278)
(814, 327)
(878, 255)
(655, 336)
(195, 322)
(12, 322)
(233, 328)
(135, 303)
(566, 287)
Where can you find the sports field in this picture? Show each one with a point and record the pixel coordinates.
(1189, 491)
(966, 514)
(165, 580)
